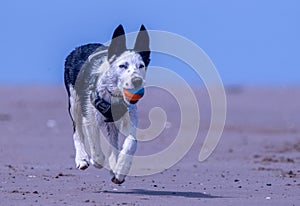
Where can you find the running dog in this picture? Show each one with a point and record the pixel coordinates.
(104, 83)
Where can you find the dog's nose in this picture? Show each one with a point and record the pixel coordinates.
(137, 81)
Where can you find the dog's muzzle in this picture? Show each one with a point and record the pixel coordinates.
(137, 82)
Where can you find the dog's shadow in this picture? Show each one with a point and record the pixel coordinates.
(163, 193)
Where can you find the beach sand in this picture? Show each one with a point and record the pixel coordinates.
(257, 161)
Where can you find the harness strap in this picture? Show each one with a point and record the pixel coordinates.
(112, 112)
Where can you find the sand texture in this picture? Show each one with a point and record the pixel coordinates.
(257, 161)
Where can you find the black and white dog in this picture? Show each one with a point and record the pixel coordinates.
(103, 85)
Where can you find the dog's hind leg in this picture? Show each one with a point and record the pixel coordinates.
(81, 157)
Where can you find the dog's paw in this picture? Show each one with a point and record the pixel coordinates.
(116, 181)
(82, 164)
(96, 164)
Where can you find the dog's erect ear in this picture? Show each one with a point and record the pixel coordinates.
(118, 42)
(142, 40)
(142, 44)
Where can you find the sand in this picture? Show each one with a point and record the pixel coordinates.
(257, 161)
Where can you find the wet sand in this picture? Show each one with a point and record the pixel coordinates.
(257, 161)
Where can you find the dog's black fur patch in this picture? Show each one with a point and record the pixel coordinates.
(75, 61)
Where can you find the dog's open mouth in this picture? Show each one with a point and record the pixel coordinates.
(133, 95)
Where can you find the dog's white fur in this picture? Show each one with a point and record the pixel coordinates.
(89, 128)
(97, 75)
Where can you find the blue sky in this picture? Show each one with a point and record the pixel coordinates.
(250, 41)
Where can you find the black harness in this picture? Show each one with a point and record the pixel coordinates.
(111, 112)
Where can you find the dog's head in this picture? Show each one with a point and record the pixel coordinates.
(128, 66)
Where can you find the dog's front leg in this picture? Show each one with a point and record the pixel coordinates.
(128, 128)
(125, 159)
(112, 134)
(92, 133)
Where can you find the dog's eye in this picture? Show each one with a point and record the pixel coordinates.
(123, 66)
(141, 66)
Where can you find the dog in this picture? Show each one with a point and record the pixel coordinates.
(104, 83)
